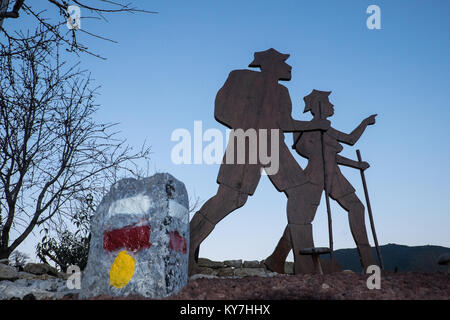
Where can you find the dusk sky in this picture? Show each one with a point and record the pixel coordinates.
(166, 69)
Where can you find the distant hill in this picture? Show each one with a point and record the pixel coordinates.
(418, 259)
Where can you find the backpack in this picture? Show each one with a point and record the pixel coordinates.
(237, 102)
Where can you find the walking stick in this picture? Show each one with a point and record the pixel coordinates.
(369, 209)
(327, 197)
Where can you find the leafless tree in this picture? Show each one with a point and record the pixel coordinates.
(52, 151)
(18, 259)
(12, 9)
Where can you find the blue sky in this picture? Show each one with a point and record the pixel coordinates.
(167, 68)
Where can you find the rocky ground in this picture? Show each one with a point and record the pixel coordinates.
(33, 281)
(244, 280)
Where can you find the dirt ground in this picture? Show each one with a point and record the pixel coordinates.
(336, 286)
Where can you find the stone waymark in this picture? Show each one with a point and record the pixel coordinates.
(140, 235)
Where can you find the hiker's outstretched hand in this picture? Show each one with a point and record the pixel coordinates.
(370, 120)
(363, 165)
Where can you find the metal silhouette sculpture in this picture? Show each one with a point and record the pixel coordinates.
(323, 173)
(255, 100)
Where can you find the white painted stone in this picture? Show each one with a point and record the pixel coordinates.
(176, 210)
(159, 202)
(8, 272)
(202, 276)
(133, 205)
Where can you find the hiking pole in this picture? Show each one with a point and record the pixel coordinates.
(369, 209)
(327, 198)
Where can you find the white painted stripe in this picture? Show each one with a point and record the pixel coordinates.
(133, 205)
(176, 210)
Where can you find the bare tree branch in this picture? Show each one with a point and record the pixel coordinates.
(14, 13)
(69, 37)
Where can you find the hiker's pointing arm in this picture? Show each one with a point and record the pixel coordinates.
(312, 125)
(353, 137)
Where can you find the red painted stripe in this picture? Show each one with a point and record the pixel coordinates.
(130, 238)
(177, 242)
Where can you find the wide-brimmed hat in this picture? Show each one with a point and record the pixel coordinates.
(268, 56)
(313, 97)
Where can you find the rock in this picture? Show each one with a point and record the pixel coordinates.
(252, 264)
(8, 273)
(289, 268)
(269, 274)
(50, 285)
(30, 276)
(140, 240)
(10, 290)
(325, 286)
(40, 268)
(202, 276)
(225, 272)
(206, 270)
(4, 261)
(70, 296)
(204, 262)
(233, 263)
(249, 272)
(63, 275)
(27, 276)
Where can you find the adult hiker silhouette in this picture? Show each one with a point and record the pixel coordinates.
(309, 145)
(252, 100)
